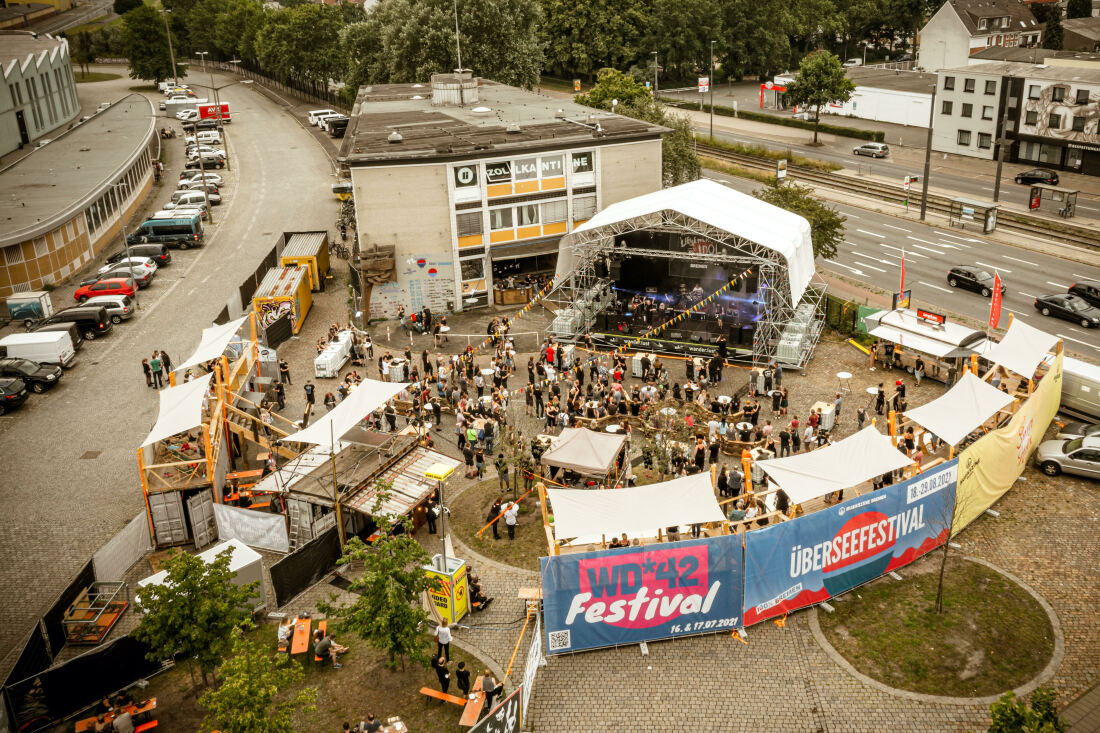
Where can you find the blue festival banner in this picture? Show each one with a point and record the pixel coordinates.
(633, 594)
(810, 559)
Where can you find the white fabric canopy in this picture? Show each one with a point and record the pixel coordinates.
(961, 409)
(180, 409)
(212, 343)
(640, 509)
(584, 451)
(732, 211)
(841, 465)
(363, 400)
(1022, 348)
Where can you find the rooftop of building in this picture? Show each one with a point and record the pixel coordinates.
(970, 11)
(1028, 55)
(902, 81)
(47, 187)
(1042, 72)
(18, 11)
(17, 46)
(1086, 27)
(400, 123)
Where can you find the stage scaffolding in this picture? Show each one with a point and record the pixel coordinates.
(787, 331)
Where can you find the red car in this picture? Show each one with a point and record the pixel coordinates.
(109, 286)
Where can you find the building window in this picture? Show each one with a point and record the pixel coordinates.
(949, 83)
(13, 255)
(465, 175)
(582, 162)
(1054, 122)
(554, 212)
(991, 87)
(552, 167)
(500, 219)
(983, 23)
(41, 249)
(527, 215)
(947, 107)
(968, 85)
(468, 224)
(985, 140)
(1058, 94)
(1082, 96)
(964, 137)
(499, 171)
(1078, 124)
(1031, 118)
(584, 207)
(967, 110)
(987, 112)
(527, 169)
(1033, 91)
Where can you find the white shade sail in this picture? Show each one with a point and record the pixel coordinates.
(961, 409)
(842, 465)
(213, 342)
(584, 451)
(1022, 348)
(362, 401)
(180, 409)
(640, 509)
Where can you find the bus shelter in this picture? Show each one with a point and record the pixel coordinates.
(973, 213)
(1044, 197)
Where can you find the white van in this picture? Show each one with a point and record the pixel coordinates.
(324, 123)
(47, 347)
(321, 118)
(204, 137)
(190, 200)
(314, 114)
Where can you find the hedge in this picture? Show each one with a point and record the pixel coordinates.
(854, 132)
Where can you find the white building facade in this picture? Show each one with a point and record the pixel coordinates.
(40, 91)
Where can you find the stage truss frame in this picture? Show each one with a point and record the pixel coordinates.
(592, 246)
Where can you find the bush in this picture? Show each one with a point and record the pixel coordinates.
(854, 132)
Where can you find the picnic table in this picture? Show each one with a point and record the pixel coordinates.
(474, 703)
(88, 724)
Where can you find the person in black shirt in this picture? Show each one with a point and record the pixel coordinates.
(462, 677)
(723, 482)
(439, 664)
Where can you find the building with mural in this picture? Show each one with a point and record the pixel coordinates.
(473, 182)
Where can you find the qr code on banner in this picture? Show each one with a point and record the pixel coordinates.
(560, 640)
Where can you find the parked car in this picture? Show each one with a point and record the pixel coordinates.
(312, 115)
(194, 150)
(199, 206)
(141, 278)
(193, 125)
(38, 377)
(13, 393)
(189, 176)
(852, 62)
(327, 120)
(158, 253)
(163, 105)
(209, 160)
(905, 57)
(119, 307)
(71, 330)
(875, 150)
(137, 262)
(1087, 290)
(108, 286)
(188, 115)
(1070, 307)
(970, 278)
(182, 197)
(804, 115)
(44, 346)
(1080, 456)
(93, 321)
(1072, 430)
(1038, 175)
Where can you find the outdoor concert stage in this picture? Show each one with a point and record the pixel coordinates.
(636, 266)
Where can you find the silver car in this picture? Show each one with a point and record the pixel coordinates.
(1079, 456)
(119, 307)
(1078, 430)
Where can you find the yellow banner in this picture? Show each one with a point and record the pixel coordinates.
(990, 466)
(440, 593)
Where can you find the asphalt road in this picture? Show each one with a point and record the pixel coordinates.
(70, 479)
(873, 247)
(80, 14)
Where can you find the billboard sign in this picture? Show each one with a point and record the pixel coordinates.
(634, 594)
(814, 557)
(504, 718)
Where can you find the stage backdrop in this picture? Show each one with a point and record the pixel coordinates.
(816, 556)
(990, 466)
(633, 594)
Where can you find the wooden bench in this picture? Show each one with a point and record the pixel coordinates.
(322, 626)
(455, 699)
(146, 726)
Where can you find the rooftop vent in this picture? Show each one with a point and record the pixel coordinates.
(455, 89)
(481, 110)
(560, 114)
(394, 138)
(513, 129)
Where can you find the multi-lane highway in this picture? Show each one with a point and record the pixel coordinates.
(874, 244)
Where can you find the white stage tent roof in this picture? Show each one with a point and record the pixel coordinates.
(362, 401)
(212, 343)
(180, 409)
(584, 451)
(636, 510)
(1022, 348)
(732, 211)
(842, 465)
(962, 408)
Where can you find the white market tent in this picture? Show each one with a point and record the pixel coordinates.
(731, 211)
(961, 409)
(943, 341)
(362, 401)
(636, 510)
(180, 409)
(584, 451)
(835, 467)
(212, 343)
(1022, 349)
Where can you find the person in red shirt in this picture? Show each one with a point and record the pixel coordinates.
(550, 354)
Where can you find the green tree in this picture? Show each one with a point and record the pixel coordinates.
(236, 28)
(1011, 715)
(820, 81)
(386, 611)
(1053, 33)
(146, 45)
(1079, 9)
(755, 38)
(83, 50)
(612, 85)
(253, 693)
(826, 223)
(202, 26)
(194, 612)
(1043, 11)
(360, 45)
(302, 43)
(681, 30)
(581, 38)
(121, 7)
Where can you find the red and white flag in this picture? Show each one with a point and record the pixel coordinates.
(995, 302)
(901, 289)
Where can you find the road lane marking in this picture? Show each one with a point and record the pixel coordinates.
(937, 287)
(899, 249)
(852, 216)
(1016, 259)
(1089, 208)
(929, 249)
(852, 269)
(995, 267)
(1058, 285)
(1027, 295)
(1076, 341)
(937, 244)
(900, 229)
(1082, 277)
(864, 264)
(864, 231)
(1019, 313)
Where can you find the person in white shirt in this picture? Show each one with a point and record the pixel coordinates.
(511, 516)
(443, 640)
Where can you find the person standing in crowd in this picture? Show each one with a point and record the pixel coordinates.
(861, 417)
(511, 516)
(148, 372)
(918, 370)
(280, 395)
(723, 482)
(872, 354)
(166, 362)
(431, 512)
(492, 689)
(880, 399)
(309, 390)
(441, 671)
(784, 442)
(502, 471)
(462, 678)
(442, 636)
(330, 401)
(158, 375)
(494, 512)
(836, 409)
(284, 371)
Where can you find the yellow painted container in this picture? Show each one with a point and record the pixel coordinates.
(309, 250)
(283, 291)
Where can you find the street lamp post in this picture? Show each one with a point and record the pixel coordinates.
(171, 53)
(203, 55)
(1003, 138)
(654, 75)
(712, 91)
(928, 153)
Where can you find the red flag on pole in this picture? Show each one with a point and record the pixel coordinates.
(995, 302)
(901, 289)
